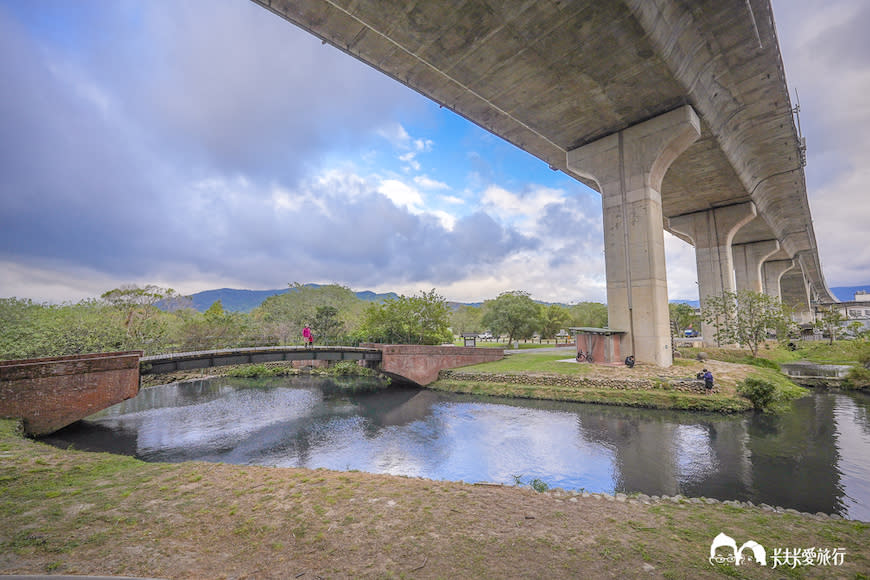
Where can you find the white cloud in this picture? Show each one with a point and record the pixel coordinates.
(525, 210)
(682, 269)
(409, 158)
(402, 195)
(841, 218)
(448, 221)
(426, 183)
(531, 203)
(826, 53)
(423, 145)
(396, 134)
(233, 146)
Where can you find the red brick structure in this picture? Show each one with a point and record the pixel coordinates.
(602, 343)
(421, 364)
(51, 393)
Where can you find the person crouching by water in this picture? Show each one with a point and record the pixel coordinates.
(629, 361)
(307, 338)
(708, 380)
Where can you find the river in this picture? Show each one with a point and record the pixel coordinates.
(815, 458)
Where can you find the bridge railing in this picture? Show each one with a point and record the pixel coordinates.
(173, 362)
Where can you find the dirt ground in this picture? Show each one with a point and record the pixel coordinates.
(726, 374)
(69, 512)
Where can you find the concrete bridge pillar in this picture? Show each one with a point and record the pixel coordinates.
(773, 271)
(748, 259)
(628, 168)
(711, 232)
(796, 293)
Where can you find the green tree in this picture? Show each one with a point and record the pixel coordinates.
(29, 330)
(682, 317)
(830, 322)
(589, 314)
(718, 312)
(141, 317)
(287, 314)
(512, 313)
(466, 319)
(214, 328)
(744, 317)
(326, 325)
(855, 329)
(553, 319)
(408, 320)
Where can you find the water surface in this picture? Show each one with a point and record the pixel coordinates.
(816, 458)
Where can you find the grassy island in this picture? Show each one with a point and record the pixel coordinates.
(550, 375)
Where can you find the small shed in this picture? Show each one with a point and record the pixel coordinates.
(601, 343)
(469, 338)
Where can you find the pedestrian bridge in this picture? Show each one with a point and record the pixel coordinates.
(51, 393)
(416, 364)
(168, 363)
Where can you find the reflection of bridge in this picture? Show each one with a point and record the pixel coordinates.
(50, 393)
(677, 112)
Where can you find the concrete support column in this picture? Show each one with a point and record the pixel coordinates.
(711, 232)
(796, 293)
(628, 168)
(773, 271)
(748, 259)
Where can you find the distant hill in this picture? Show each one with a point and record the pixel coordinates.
(235, 300)
(847, 293)
(239, 300)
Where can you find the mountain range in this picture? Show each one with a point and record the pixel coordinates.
(236, 300)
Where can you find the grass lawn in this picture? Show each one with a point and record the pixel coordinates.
(532, 362)
(72, 512)
(530, 377)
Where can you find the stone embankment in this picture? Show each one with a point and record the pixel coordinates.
(586, 382)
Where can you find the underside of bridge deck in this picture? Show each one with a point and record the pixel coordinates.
(552, 77)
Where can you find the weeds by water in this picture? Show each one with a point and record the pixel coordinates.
(539, 485)
(260, 370)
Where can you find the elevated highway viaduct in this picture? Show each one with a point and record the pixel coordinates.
(677, 112)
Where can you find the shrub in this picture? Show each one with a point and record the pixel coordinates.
(259, 370)
(538, 485)
(759, 392)
(348, 368)
(858, 378)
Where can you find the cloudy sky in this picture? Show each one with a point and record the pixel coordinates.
(207, 143)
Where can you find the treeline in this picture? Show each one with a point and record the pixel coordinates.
(128, 318)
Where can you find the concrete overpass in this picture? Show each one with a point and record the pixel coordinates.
(677, 113)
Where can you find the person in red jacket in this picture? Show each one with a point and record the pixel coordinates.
(307, 338)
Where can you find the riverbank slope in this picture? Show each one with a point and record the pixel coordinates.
(71, 512)
(550, 375)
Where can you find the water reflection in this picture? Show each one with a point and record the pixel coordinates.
(816, 458)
